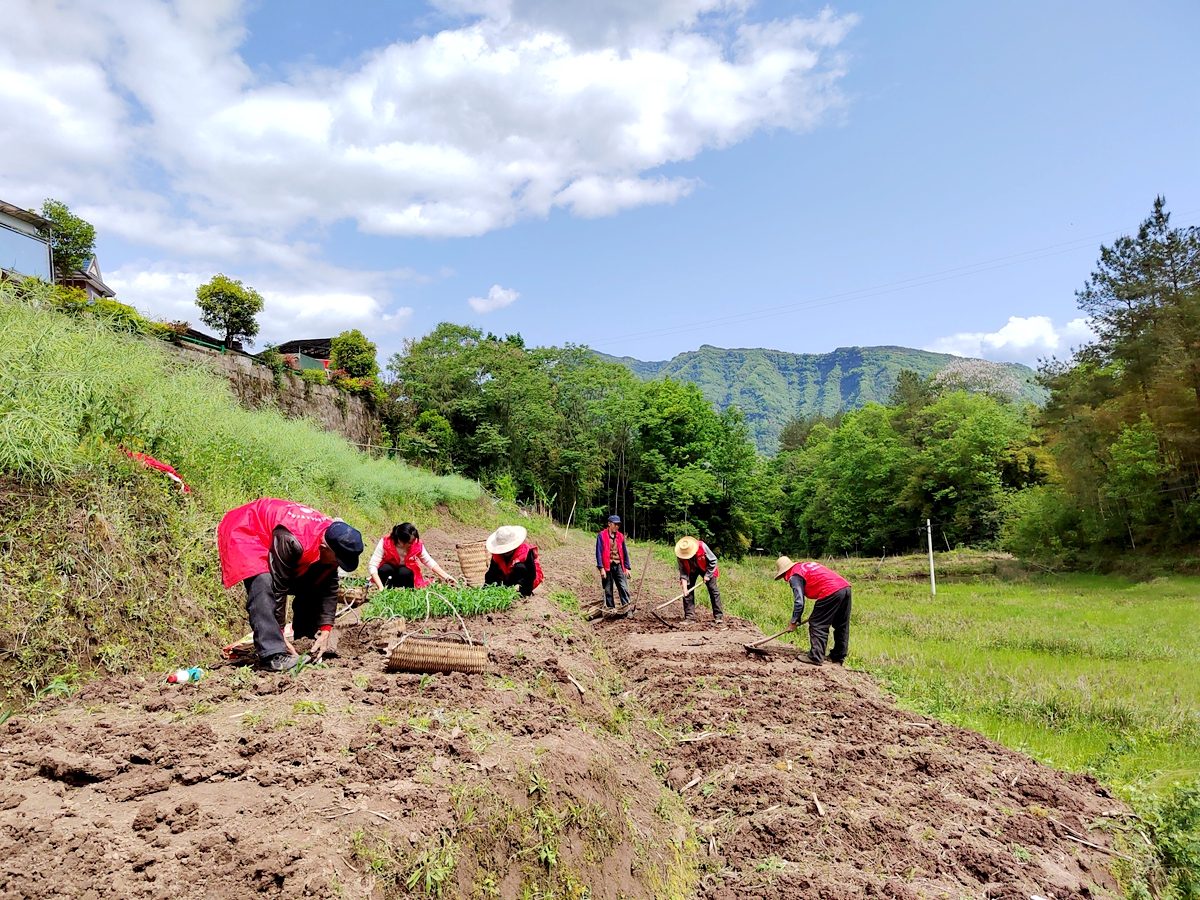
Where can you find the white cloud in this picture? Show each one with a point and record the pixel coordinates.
(497, 298)
(144, 117)
(1021, 340)
(534, 105)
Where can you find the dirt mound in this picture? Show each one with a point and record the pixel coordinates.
(809, 782)
(620, 759)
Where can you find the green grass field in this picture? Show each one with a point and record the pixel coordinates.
(1083, 672)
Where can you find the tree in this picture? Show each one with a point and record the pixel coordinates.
(230, 307)
(72, 240)
(354, 354)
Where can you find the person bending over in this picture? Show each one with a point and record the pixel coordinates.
(398, 557)
(696, 560)
(514, 562)
(276, 548)
(830, 593)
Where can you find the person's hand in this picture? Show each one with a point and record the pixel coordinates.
(321, 643)
(791, 626)
(628, 573)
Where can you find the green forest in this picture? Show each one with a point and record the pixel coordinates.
(1109, 463)
(771, 387)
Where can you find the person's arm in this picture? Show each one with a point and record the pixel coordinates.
(283, 558)
(530, 572)
(494, 575)
(430, 563)
(711, 559)
(797, 584)
(600, 553)
(625, 553)
(373, 565)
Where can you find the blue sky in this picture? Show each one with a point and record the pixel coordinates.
(930, 175)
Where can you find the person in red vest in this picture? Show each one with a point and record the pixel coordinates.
(514, 562)
(276, 548)
(398, 558)
(696, 560)
(830, 593)
(612, 559)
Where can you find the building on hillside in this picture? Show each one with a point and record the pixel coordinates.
(307, 354)
(190, 335)
(24, 243)
(90, 281)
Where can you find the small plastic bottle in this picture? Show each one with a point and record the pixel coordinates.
(183, 676)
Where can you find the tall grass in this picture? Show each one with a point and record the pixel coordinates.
(73, 390)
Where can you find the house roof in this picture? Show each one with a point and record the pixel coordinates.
(317, 348)
(29, 218)
(92, 277)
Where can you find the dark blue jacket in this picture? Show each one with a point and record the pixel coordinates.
(603, 545)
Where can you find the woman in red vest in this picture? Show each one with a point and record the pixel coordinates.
(830, 593)
(514, 562)
(276, 548)
(398, 557)
(696, 560)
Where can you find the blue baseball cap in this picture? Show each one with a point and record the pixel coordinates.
(346, 544)
(616, 519)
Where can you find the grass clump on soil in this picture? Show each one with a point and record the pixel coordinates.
(413, 604)
(107, 566)
(1083, 672)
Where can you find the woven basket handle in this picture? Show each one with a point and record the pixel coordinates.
(453, 610)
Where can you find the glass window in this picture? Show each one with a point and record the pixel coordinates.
(24, 254)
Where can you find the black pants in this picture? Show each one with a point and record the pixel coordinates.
(268, 614)
(714, 595)
(830, 612)
(396, 576)
(616, 576)
(521, 576)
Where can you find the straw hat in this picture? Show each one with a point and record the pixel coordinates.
(781, 567)
(686, 547)
(505, 539)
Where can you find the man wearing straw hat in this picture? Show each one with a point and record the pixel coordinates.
(514, 562)
(612, 559)
(696, 560)
(830, 593)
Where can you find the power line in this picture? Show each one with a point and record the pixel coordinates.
(890, 287)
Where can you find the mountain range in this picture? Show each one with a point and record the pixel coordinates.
(772, 386)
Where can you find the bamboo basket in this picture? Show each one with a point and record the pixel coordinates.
(355, 595)
(437, 654)
(474, 560)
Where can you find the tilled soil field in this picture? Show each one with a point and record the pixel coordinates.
(618, 759)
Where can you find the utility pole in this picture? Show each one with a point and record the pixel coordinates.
(932, 577)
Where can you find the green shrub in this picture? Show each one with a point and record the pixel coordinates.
(313, 376)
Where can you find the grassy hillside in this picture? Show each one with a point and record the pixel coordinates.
(105, 564)
(771, 386)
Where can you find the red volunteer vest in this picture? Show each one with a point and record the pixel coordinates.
(819, 581)
(244, 536)
(699, 562)
(606, 548)
(519, 556)
(413, 560)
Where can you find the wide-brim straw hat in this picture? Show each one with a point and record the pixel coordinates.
(505, 539)
(686, 547)
(781, 567)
